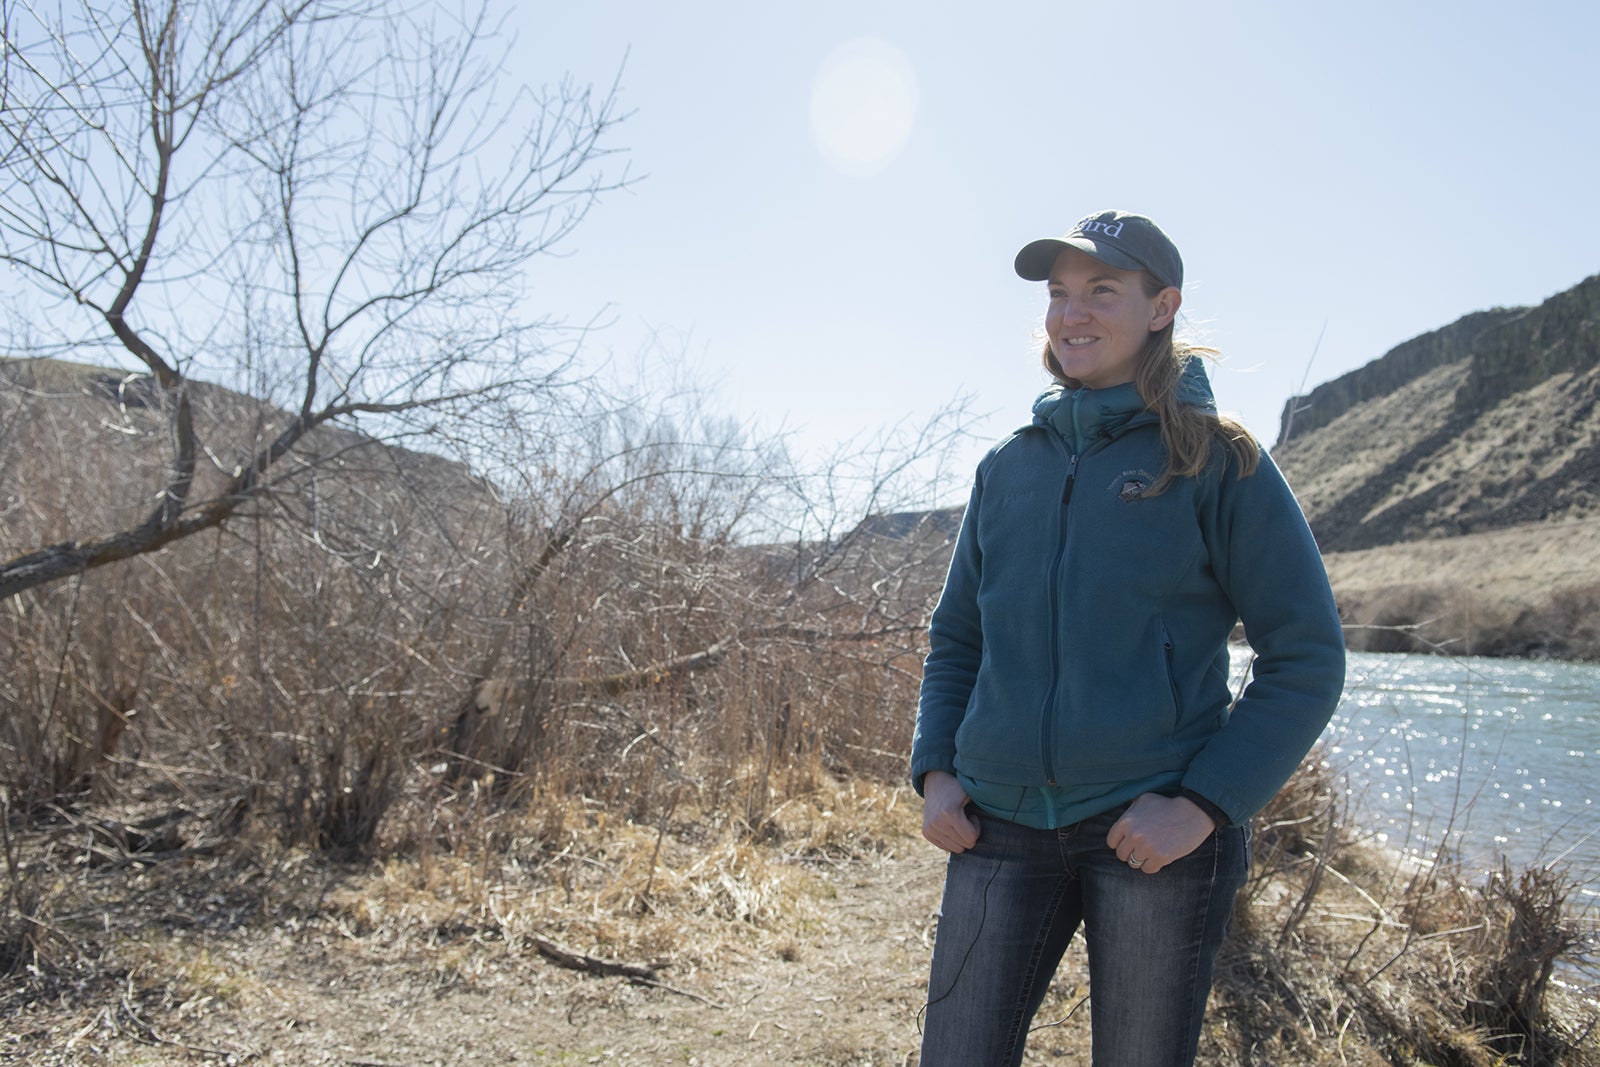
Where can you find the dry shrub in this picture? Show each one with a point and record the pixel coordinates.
(1293, 839)
(1418, 617)
(593, 628)
(1421, 617)
(1468, 978)
(23, 919)
(713, 676)
(68, 693)
(1333, 942)
(1528, 928)
(1566, 626)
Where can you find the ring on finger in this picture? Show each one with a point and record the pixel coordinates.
(1135, 864)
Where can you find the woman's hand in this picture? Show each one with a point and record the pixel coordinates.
(945, 821)
(1155, 830)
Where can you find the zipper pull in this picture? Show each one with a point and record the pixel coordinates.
(1072, 475)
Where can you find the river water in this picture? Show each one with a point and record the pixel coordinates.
(1489, 757)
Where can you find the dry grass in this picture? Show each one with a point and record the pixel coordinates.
(1343, 953)
(214, 953)
(1338, 954)
(1525, 591)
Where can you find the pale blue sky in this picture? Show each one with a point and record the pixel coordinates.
(1376, 168)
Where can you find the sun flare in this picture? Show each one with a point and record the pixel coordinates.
(863, 106)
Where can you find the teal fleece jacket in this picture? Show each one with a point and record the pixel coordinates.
(1080, 643)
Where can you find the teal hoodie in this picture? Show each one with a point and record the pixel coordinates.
(1078, 654)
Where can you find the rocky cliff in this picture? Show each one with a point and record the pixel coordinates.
(1402, 365)
(1486, 423)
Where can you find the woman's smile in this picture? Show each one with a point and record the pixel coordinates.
(1100, 318)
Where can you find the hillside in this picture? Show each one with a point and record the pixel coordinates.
(1484, 424)
(90, 444)
(1455, 483)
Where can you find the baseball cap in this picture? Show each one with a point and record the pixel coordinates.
(1116, 238)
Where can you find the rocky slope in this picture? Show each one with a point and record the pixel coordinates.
(1455, 483)
(1484, 424)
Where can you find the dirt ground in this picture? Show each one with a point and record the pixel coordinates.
(841, 991)
(827, 969)
(805, 943)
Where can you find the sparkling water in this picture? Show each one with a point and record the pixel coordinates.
(1482, 757)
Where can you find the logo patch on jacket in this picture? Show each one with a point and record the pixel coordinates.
(1130, 485)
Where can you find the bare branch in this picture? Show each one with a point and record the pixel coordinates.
(327, 201)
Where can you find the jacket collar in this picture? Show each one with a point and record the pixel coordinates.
(1081, 416)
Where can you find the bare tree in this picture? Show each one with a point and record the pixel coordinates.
(330, 206)
(656, 634)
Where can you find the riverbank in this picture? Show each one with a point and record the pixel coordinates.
(1531, 590)
(693, 942)
(1481, 757)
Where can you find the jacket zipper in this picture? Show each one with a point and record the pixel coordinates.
(1048, 718)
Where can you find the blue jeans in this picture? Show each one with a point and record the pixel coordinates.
(1011, 906)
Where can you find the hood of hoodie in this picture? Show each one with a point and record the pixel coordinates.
(1082, 415)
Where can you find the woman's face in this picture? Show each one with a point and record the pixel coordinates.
(1100, 318)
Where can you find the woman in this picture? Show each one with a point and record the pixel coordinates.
(1075, 744)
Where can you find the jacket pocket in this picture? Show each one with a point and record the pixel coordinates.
(1168, 653)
